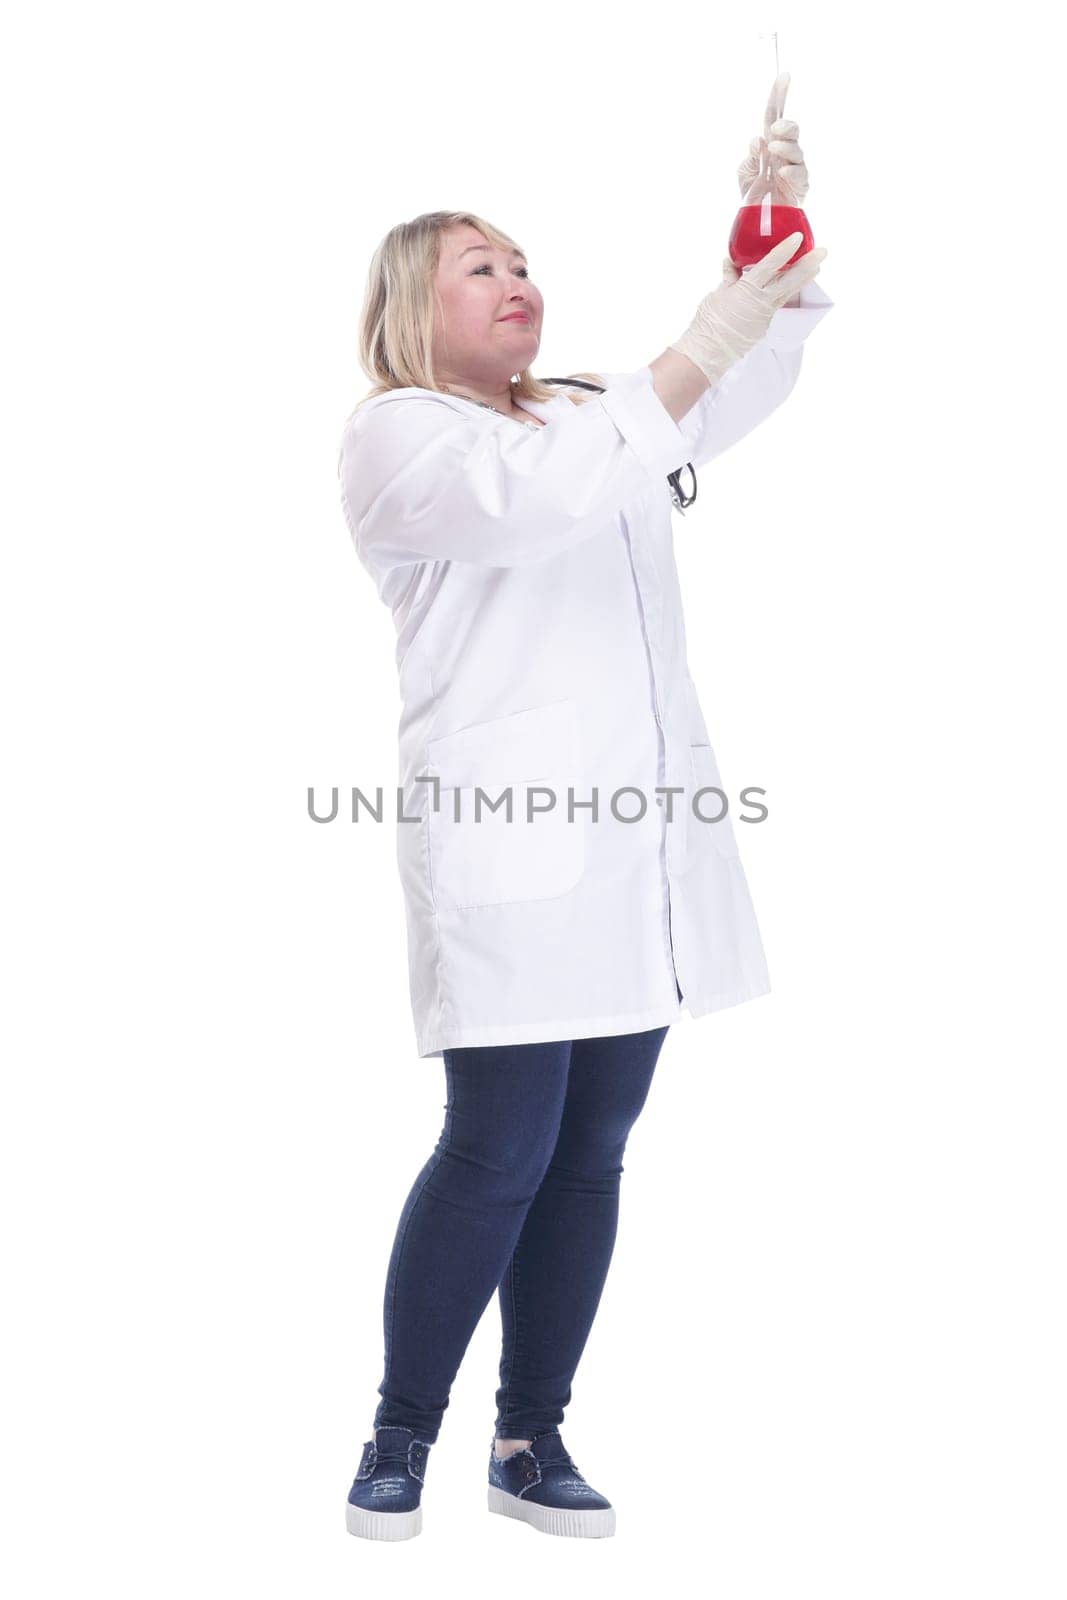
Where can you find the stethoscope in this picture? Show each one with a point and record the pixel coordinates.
(681, 500)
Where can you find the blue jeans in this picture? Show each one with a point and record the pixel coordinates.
(521, 1196)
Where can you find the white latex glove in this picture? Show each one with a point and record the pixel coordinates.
(736, 315)
(775, 159)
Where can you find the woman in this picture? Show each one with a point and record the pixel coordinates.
(521, 536)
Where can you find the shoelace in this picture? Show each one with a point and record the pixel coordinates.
(564, 1460)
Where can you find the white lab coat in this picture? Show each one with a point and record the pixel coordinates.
(541, 645)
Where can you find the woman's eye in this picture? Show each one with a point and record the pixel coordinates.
(524, 272)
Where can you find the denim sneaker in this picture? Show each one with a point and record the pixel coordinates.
(384, 1501)
(542, 1486)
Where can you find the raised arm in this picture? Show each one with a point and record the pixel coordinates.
(422, 482)
(757, 384)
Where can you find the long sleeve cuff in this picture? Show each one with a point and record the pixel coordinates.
(790, 325)
(645, 423)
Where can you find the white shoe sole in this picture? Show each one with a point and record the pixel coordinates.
(554, 1519)
(382, 1524)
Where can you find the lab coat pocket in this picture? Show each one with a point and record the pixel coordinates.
(481, 856)
(708, 806)
(705, 770)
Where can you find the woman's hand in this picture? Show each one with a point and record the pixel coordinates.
(736, 315)
(775, 158)
(730, 274)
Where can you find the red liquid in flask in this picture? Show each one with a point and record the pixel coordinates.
(748, 244)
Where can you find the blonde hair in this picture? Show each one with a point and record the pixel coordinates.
(396, 323)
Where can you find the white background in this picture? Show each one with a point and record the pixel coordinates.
(829, 1357)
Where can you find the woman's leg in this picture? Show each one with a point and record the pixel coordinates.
(551, 1288)
(462, 1217)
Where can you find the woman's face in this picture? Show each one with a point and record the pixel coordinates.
(492, 312)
